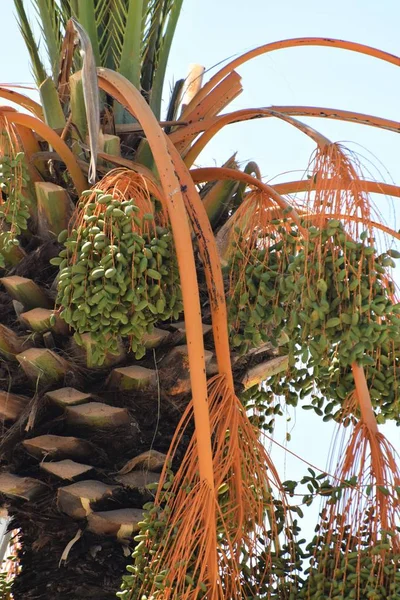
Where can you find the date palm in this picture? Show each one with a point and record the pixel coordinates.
(125, 345)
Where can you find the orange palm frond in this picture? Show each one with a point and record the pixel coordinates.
(220, 173)
(212, 104)
(290, 43)
(368, 187)
(54, 140)
(184, 136)
(239, 458)
(339, 115)
(21, 100)
(172, 186)
(213, 126)
(305, 185)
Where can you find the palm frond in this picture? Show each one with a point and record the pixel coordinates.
(173, 106)
(86, 16)
(39, 71)
(160, 20)
(111, 21)
(130, 59)
(50, 22)
(152, 23)
(91, 96)
(163, 47)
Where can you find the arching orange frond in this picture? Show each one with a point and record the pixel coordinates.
(235, 117)
(22, 100)
(234, 464)
(306, 185)
(118, 87)
(229, 459)
(290, 43)
(218, 173)
(222, 95)
(55, 141)
(339, 115)
(229, 427)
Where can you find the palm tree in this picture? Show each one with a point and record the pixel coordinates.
(131, 361)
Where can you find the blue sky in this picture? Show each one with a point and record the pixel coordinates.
(213, 30)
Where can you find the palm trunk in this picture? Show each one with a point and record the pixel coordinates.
(93, 569)
(72, 426)
(60, 480)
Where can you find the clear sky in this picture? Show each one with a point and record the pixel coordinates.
(211, 31)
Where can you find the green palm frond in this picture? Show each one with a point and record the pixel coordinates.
(112, 24)
(50, 25)
(132, 37)
(135, 38)
(151, 37)
(86, 15)
(69, 8)
(50, 21)
(130, 59)
(39, 71)
(166, 34)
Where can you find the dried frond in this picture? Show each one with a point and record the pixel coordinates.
(289, 43)
(90, 95)
(66, 61)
